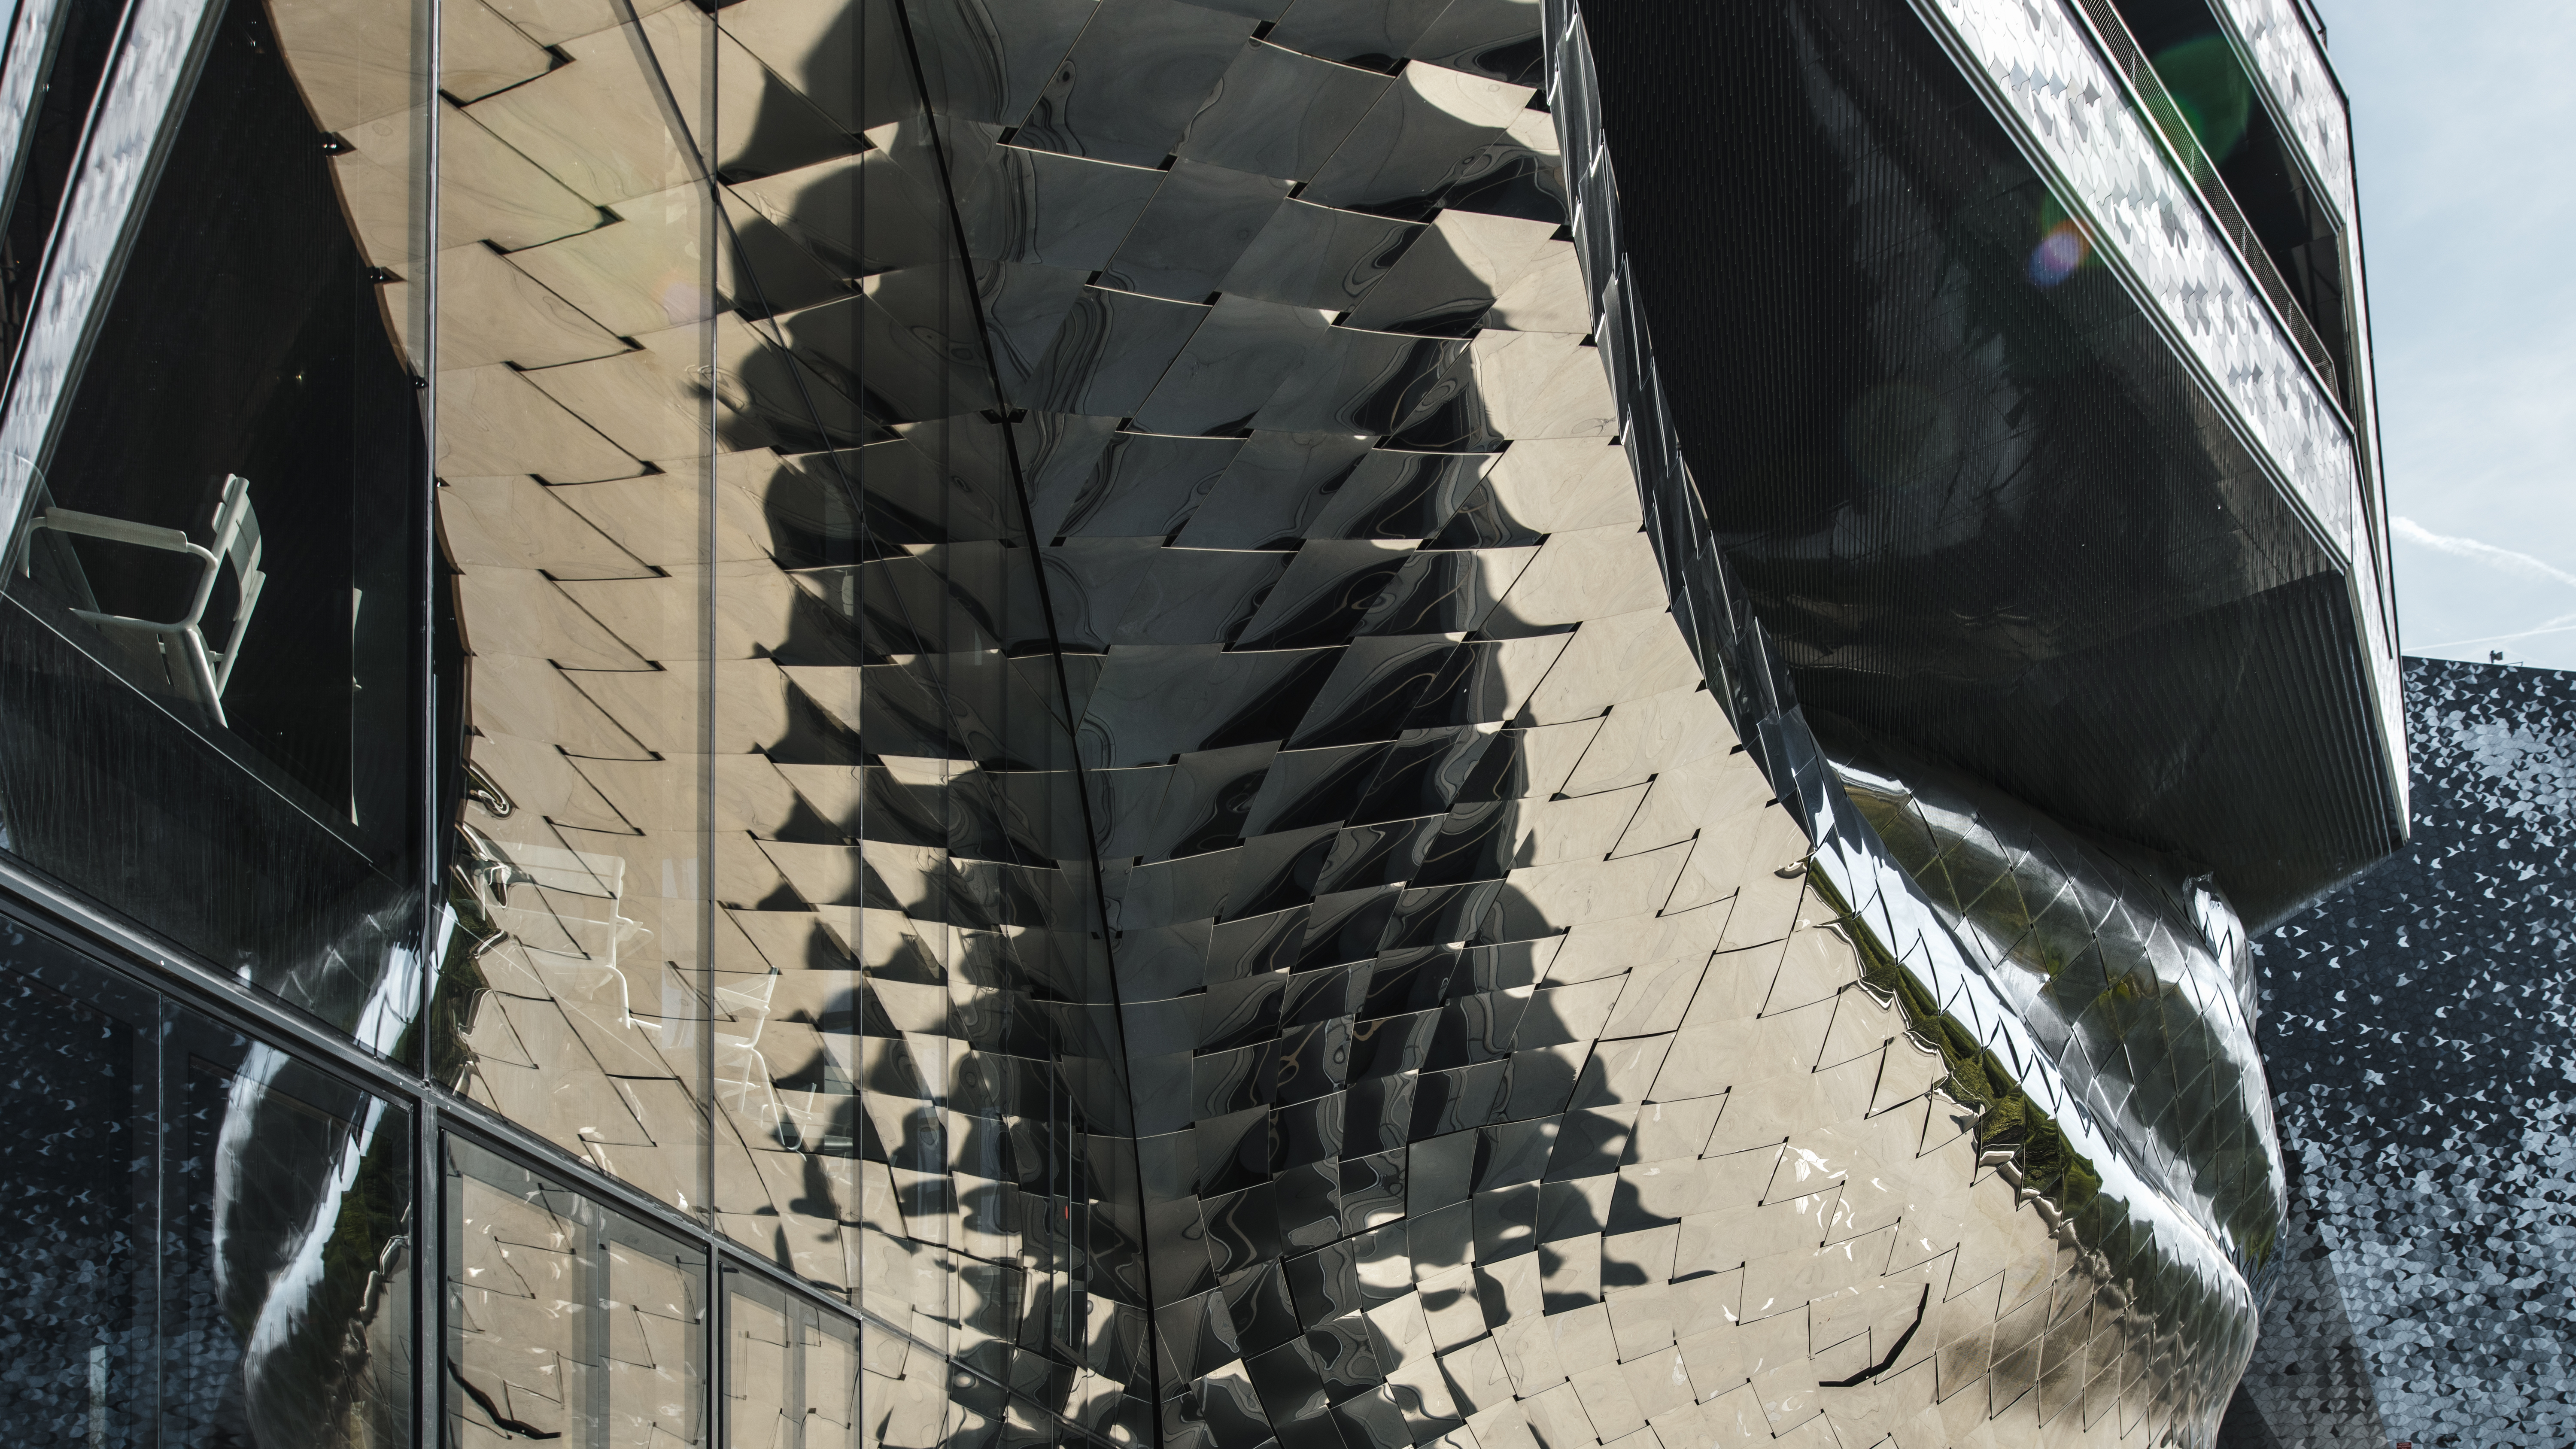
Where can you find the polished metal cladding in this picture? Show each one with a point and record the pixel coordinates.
(2130, 973)
(1445, 1042)
(1467, 1070)
(1052, 722)
(848, 1003)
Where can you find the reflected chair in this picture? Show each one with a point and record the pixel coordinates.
(195, 671)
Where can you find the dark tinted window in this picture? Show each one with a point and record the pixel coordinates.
(203, 1241)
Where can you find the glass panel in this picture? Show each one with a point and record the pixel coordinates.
(907, 1390)
(76, 1291)
(791, 1372)
(565, 1320)
(576, 391)
(287, 1316)
(213, 602)
(789, 1174)
(281, 1278)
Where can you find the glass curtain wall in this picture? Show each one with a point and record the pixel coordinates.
(204, 1241)
(574, 477)
(210, 670)
(792, 1373)
(566, 1320)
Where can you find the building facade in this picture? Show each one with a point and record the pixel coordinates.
(1342, 723)
(2419, 1033)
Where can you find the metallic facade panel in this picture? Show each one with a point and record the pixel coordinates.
(1100, 776)
(845, 1004)
(2073, 110)
(2289, 56)
(2418, 1025)
(2046, 70)
(565, 1319)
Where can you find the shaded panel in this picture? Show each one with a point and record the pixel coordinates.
(1992, 473)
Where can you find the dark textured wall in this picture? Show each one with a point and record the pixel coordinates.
(2421, 1033)
(1982, 511)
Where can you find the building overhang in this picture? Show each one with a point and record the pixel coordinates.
(2013, 454)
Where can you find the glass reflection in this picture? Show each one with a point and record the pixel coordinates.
(573, 469)
(77, 1225)
(791, 1372)
(208, 1243)
(565, 1321)
(245, 393)
(57, 55)
(213, 597)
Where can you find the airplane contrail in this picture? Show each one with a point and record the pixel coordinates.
(2487, 553)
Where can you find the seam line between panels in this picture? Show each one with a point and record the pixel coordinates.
(1072, 722)
(697, 143)
(493, 1130)
(711, 1330)
(429, 1183)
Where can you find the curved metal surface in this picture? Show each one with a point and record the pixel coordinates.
(2094, 1092)
(2129, 969)
(1113, 698)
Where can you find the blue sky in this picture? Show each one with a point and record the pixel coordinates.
(2465, 128)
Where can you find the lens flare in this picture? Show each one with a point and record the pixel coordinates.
(2058, 254)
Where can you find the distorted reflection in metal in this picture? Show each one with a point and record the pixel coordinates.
(2128, 968)
(1338, 596)
(566, 1320)
(695, 920)
(1122, 755)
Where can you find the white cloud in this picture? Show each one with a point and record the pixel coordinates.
(2485, 553)
(2466, 133)
(2563, 624)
